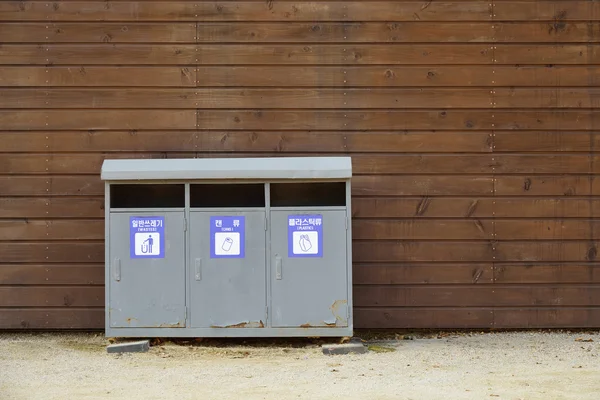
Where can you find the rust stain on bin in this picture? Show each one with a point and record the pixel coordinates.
(252, 324)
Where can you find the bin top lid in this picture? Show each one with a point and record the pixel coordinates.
(228, 168)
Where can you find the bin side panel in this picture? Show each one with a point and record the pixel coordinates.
(147, 285)
(228, 269)
(309, 290)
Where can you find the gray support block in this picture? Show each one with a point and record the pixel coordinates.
(131, 347)
(348, 348)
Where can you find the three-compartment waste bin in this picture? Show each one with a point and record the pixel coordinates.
(228, 247)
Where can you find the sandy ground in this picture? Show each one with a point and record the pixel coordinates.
(529, 365)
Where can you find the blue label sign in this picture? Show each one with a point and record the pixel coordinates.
(305, 236)
(227, 237)
(147, 237)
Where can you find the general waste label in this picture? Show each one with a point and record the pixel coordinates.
(227, 237)
(147, 237)
(305, 236)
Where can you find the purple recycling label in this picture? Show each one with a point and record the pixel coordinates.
(227, 237)
(147, 237)
(305, 236)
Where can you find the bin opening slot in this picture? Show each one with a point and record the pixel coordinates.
(245, 195)
(321, 194)
(147, 196)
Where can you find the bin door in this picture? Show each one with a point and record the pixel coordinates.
(228, 269)
(308, 269)
(147, 270)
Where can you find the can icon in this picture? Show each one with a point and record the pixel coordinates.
(227, 243)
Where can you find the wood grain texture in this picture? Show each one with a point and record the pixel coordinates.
(472, 127)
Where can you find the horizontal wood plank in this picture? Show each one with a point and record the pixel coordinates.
(246, 141)
(423, 318)
(86, 76)
(545, 141)
(472, 229)
(47, 274)
(426, 274)
(244, 11)
(50, 252)
(231, 54)
(52, 318)
(535, 185)
(473, 207)
(65, 296)
(24, 229)
(399, 76)
(557, 11)
(538, 318)
(546, 251)
(422, 185)
(476, 296)
(97, 119)
(65, 32)
(76, 185)
(546, 273)
(405, 251)
(51, 207)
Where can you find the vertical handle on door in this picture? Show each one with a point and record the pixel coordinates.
(117, 269)
(198, 265)
(278, 267)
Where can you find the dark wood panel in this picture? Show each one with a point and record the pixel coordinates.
(422, 185)
(340, 98)
(246, 141)
(108, 54)
(395, 76)
(353, 32)
(424, 164)
(49, 252)
(25, 76)
(81, 185)
(472, 229)
(543, 186)
(542, 54)
(475, 296)
(545, 141)
(431, 207)
(51, 207)
(229, 54)
(423, 318)
(247, 98)
(554, 120)
(398, 32)
(25, 229)
(97, 119)
(547, 98)
(94, 32)
(73, 164)
(560, 317)
(557, 11)
(55, 318)
(47, 274)
(546, 273)
(550, 229)
(540, 164)
(244, 11)
(427, 274)
(351, 120)
(404, 251)
(549, 251)
(66, 296)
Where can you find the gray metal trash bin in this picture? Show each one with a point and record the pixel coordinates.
(228, 247)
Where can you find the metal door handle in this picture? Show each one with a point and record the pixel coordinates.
(117, 269)
(198, 265)
(278, 262)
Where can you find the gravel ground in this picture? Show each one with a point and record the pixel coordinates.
(525, 365)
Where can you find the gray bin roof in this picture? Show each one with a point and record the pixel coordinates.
(228, 168)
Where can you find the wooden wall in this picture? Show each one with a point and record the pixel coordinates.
(473, 128)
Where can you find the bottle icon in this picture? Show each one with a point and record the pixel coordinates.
(227, 243)
(305, 244)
